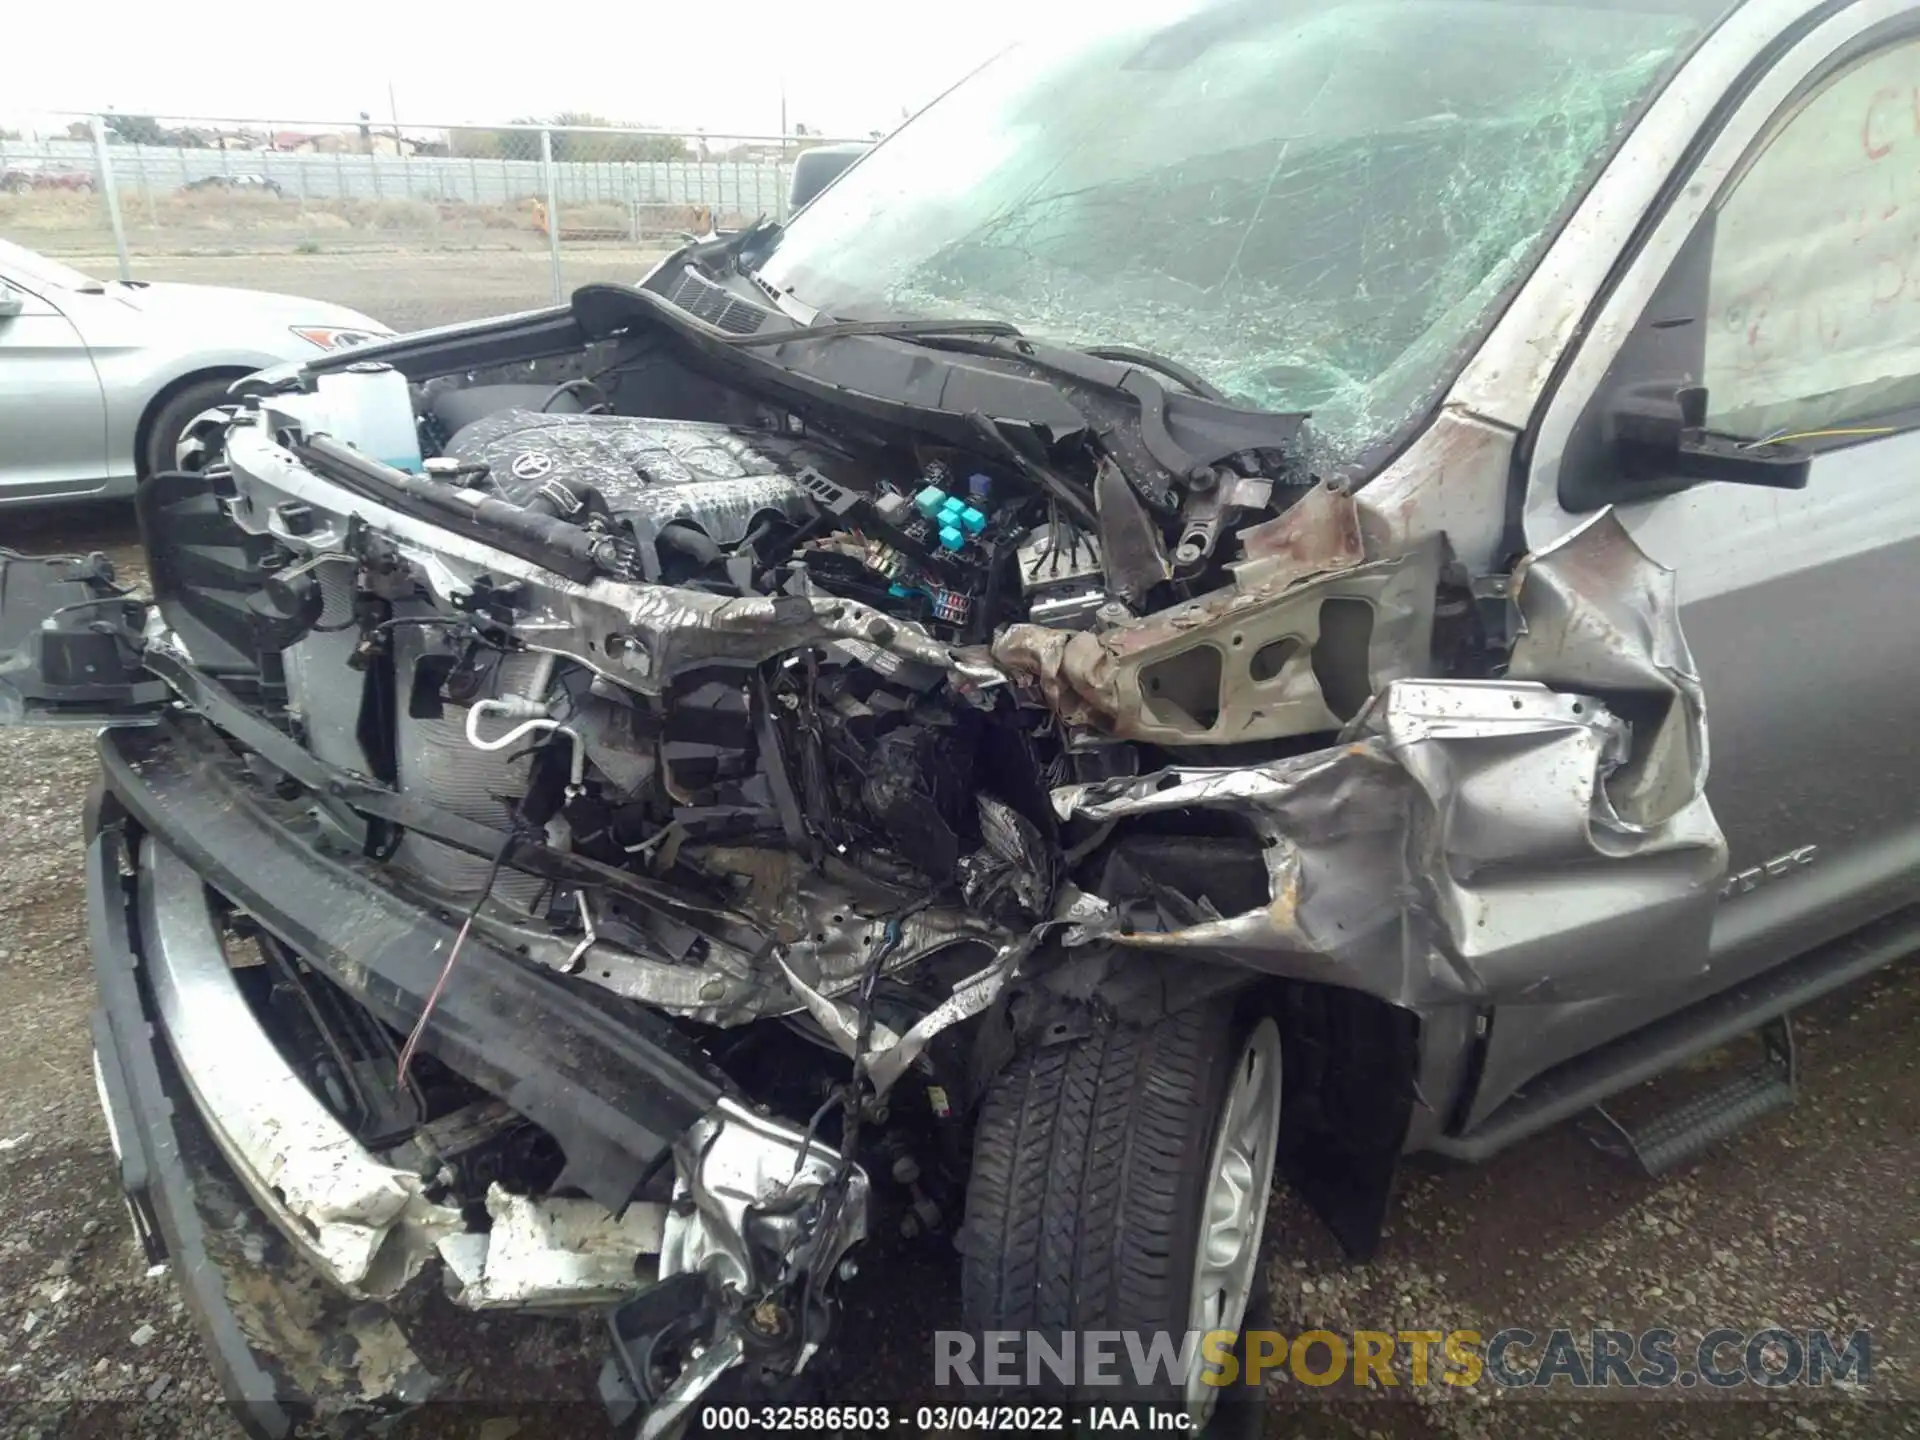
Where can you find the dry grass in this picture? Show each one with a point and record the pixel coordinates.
(595, 217)
(51, 210)
(222, 213)
(183, 222)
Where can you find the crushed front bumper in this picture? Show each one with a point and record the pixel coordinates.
(216, 1135)
(615, 1093)
(251, 1297)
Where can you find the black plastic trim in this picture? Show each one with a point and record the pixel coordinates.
(613, 1082)
(151, 1166)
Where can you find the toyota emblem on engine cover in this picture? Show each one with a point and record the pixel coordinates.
(531, 465)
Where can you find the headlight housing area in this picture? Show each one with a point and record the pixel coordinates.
(338, 337)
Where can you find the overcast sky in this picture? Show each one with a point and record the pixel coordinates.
(849, 66)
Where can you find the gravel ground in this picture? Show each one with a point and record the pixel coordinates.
(1810, 1219)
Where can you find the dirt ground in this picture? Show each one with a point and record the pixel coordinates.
(1810, 1219)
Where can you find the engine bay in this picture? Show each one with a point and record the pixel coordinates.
(733, 683)
(793, 685)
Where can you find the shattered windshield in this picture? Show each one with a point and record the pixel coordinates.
(1312, 203)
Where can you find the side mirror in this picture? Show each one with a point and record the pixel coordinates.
(1657, 434)
(11, 301)
(815, 169)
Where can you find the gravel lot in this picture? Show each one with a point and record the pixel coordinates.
(1810, 1219)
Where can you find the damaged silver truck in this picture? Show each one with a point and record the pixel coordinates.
(1164, 631)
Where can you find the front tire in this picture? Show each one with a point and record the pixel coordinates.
(170, 423)
(1120, 1182)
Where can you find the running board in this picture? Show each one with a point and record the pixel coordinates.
(1587, 1080)
(1704, 1121)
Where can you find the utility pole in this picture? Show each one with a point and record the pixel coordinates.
(399, 150)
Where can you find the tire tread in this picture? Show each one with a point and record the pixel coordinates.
(1079, 1208)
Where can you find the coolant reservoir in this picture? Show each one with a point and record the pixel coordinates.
(368, 406)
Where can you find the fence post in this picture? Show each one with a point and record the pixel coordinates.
(553, 214)
(105, 167)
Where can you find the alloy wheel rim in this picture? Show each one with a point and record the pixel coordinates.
(1233, 1218)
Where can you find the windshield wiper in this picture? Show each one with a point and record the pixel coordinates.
(934, 329)
(891, 329)
(940, 329)
(1135, 355)
(982, 337)
(1165, 365)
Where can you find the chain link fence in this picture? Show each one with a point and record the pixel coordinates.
(414, 225)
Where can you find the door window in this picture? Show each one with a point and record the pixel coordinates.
(1814, 294)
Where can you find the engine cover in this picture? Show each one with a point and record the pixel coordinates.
(651, 472)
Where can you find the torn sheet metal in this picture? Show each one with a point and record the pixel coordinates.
(828, 929)
(662, 631)
(744, 1174)
(890, 1055)
(837, 1019)
(1317, 534)
(1282, 656)
(826, 924)
(1602, 617)
(970, 997)
(1452, 480)
(367, 1226)
(349, 1360)
(1483, 841)
(552, 1251)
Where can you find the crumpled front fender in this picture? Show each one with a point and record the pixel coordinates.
(1537, 839)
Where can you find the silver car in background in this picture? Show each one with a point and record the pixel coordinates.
(98, 378)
